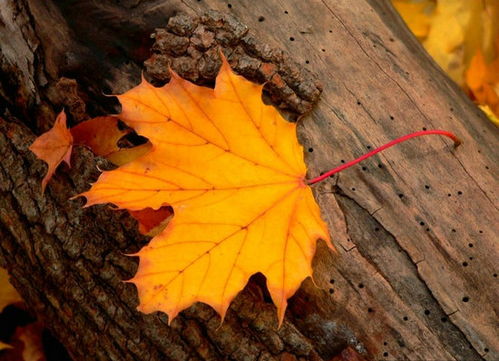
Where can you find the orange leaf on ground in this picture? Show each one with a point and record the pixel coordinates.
(54, 147)
(152, 222)
(233, 171)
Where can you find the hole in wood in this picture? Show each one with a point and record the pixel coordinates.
(291, 38)
(261, 18)
(466, 299)
(310, 150)
(426, 312)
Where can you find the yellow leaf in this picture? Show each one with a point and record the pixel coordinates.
(417, 15)
(454, 30)
(489, 114)
(54, 146)
(233, 172)
(8, 294)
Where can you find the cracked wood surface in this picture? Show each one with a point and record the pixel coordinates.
(414, 278)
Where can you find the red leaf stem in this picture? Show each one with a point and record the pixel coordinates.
(456, 140)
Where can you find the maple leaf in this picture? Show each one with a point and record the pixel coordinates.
(54, 147)
(233, 171)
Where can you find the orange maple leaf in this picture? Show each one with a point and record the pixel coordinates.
(233, 171)
(54, 146)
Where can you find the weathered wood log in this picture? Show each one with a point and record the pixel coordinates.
(414, 277)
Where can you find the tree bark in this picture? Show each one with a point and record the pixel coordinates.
(414, 276)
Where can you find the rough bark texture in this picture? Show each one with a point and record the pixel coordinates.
(414, 277)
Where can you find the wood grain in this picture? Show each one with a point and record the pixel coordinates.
(415, 275)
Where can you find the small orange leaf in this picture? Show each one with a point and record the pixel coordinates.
(54, 147)
(233, 171)
(101, 134)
